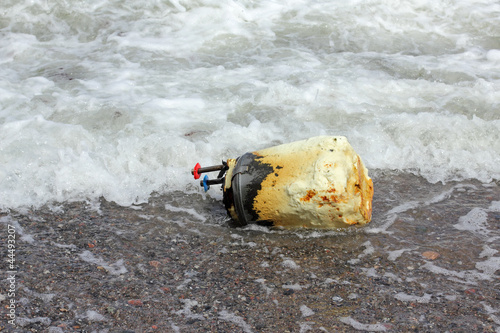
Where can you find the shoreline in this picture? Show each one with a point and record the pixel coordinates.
(174, 267)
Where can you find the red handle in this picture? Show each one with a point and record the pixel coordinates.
(195, 171)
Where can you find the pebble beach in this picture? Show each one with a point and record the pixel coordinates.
(156, 267)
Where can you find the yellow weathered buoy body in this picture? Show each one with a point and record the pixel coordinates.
(316, 183)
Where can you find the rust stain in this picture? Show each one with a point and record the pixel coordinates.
(308, 196)
(333, 201)
(350, 221)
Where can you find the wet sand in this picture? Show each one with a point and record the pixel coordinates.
(176, 265)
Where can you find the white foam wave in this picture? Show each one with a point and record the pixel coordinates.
(393, 255)
(119, 100)
(295, 286)
(22, 321)
(475, 221)
(190, 211)
(465, 277)
(8, 220)
(490, 266)
(413, 298)
(93, 316)
(116, 268)
(363, 327)
(231, 317)
(187, 309)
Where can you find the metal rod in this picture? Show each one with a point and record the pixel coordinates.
(213, 181)
(209, 169)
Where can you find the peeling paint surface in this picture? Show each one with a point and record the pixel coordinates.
(317, 183)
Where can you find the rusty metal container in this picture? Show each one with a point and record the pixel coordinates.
(316, 183)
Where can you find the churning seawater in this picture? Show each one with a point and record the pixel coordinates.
(119, 99)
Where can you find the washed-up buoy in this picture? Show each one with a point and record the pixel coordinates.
(316, 183)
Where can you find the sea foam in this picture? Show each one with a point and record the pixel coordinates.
(119, 100)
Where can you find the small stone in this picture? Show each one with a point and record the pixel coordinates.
(431, 255)
(352, 296)
(135, 302)
(155, 263)
(470, 291)
(421, 230)
(337, 299)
